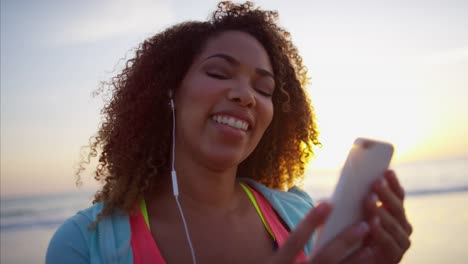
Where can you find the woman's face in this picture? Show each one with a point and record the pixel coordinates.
(224, 104)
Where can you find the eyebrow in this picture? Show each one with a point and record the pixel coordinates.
(233, 61)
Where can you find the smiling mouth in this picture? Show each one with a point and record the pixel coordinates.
(231, 121)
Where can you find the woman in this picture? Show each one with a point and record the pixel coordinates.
(206, 128)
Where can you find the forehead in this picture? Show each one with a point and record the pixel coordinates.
(240, 45)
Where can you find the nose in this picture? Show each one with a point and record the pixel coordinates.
(242, 93)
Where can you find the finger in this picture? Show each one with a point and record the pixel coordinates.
(363, 255)
(392, 203)
(339, 248)
(388, 222)
(302, 233)
(383, 242)
(393, 227)
(395, 184)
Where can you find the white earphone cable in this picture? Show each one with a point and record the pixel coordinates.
(175, 187)
(192, 251)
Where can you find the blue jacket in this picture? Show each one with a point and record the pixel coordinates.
(109, 242)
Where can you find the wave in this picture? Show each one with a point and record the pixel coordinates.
(15, 226)
(448, 190)
(47, 211)
(324, 194)
(14, 219)
(18, 213)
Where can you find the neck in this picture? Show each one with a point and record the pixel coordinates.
(201, 186)
(206, 188)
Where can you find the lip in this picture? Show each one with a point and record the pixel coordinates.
(246, 117)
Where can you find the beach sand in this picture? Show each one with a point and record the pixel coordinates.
(440, 230)
(25, 246)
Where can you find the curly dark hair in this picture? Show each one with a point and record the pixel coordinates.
(133, 140)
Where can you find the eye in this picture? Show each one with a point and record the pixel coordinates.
(217, 75)
(264, 87)
(266, 94)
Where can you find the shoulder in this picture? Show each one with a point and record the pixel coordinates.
(70, 242)
(75, 242)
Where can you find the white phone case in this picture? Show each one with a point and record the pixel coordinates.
(366, 162)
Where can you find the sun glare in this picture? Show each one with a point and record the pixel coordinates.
(385, 111)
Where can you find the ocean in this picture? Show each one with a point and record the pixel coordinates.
(418, 178)
(27, 223)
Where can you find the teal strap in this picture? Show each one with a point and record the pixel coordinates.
(254, 202)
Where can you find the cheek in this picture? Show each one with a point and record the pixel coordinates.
(200, 89)
(266, 111)
(195, 100)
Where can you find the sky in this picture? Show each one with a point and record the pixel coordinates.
(389, 70)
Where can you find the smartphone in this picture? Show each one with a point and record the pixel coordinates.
(367, 161)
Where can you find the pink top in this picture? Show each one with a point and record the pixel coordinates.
(145, 249)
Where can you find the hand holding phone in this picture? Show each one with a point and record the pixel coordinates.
(366, 162)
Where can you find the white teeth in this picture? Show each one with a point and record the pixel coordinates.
(232, 122)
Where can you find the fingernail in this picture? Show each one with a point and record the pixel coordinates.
(362, 229)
